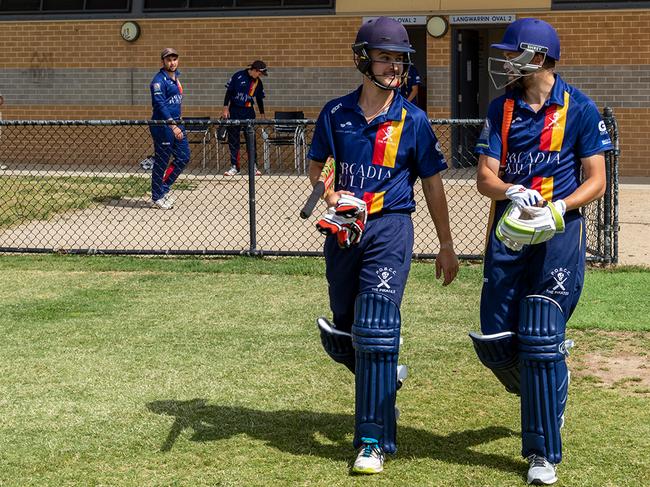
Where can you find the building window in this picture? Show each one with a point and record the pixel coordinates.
(597, 4)
(80, 6)
(194, 5)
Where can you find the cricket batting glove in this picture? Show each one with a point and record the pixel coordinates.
(350, 207)
(347, 221)
(521, 196)
(529, 225)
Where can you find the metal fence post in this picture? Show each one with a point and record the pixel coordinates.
(612, 173)
(251, 149)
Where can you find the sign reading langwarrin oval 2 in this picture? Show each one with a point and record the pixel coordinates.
(482, 19)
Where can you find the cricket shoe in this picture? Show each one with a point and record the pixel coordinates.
(163, 204)
(146, 164)
(233, 171)
(370, 459)
(540, 471)
(258, 172)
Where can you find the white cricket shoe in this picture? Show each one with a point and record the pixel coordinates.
(169, 199)
(402, 374)
(370, 459)
(231, 172)
(147, 163)
(540, 471)
(163, 204)
(258, 172)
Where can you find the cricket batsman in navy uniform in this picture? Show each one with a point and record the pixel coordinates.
(168, 140)
(244, 88)
(381, 144)
(536, 141)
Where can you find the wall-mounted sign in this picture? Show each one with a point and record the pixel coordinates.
(406, 19)
(482, 19)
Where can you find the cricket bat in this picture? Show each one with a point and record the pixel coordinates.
(325, 183)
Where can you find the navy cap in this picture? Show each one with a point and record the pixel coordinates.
(384, 33)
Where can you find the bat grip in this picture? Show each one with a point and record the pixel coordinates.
(315, 195)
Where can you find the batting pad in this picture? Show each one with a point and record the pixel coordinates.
(544, 376)
(375, 337)
(337, 343)
(498, 352)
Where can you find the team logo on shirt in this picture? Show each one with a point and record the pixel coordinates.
(560, 277)
(553, 121)
(385, 274)
(387, 136)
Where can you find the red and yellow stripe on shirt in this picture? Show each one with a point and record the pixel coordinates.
(544, 186)
(180, 86)
(251, 91)
(387, 142)
(374, 202)
(554, 124)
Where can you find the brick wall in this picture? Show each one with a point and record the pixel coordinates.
(84, 70)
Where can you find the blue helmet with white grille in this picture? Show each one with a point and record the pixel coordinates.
(528, 37)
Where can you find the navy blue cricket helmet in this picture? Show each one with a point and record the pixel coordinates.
(386, 34)
(531, 33)
(528, 37)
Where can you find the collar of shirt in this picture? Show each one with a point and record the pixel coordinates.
(166, 76)
(556, 98)
(394, 113)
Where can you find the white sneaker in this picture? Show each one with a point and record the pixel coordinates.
(540, 471)
(163, 204)
(370, 459)
(169, 199)
(402, 374)
(258, 172)
(231, 172)
(147, 163)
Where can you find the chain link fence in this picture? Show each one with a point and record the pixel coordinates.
(85, 187)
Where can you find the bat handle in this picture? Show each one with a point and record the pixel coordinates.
(315, 195)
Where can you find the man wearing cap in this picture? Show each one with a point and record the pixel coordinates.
(168, 140)
(242, 90)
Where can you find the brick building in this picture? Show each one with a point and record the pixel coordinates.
(66, 59)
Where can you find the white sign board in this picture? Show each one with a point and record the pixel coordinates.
(405, 20)
(482, 19)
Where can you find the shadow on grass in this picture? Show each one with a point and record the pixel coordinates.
(323, 434)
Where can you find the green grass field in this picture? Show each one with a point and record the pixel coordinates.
(154, 371)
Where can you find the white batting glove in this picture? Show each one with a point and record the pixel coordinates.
(522, 197)
(560, 206)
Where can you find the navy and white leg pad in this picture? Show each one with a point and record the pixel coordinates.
(498, 352)
(337, 343)
(375, 337)
(544, 376)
